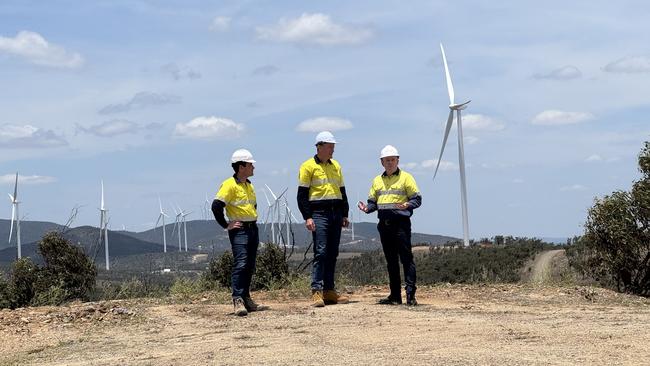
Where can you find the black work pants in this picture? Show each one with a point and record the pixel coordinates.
(395, 237)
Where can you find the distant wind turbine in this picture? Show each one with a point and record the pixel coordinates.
(184, 223)
(15, 216)
(177, 225)
(161, 216)
(103, 226)
(461, 152)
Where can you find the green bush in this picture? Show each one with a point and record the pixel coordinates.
(271, 270)
(615, 249)
(66, 266)
(24, 274)
(220, 269)
(6, 293)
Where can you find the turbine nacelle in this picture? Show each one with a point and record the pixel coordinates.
(459, 106)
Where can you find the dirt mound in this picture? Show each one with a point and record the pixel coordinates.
(482, 324)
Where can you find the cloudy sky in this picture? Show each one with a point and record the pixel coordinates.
(153, 97)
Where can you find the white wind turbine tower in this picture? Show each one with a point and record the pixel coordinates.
(461, 153)
(177, 225)
(103, 226)
(15, 216)
(162, 216)
(206, 208)
(269, 211)
(183, 223)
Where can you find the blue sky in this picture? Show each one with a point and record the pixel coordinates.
(153, 98)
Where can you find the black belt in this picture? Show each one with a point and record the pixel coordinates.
(248, 224)
(394, 221)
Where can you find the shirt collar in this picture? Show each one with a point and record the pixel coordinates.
(318, 161)
(234, 176)
(396, 173)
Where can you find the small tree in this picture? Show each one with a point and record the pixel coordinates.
(616, 244)
(24, 274)
(220, 269)
(271, 268)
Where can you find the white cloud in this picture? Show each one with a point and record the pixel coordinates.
(313, 29)
(517, 181)
(209, 128)
(575, 187)
(563, 73)
(629, 65)
(324, 124)
(555, 117)
(480, 122)
(34, 48)
(220, 24)
(26, 179)
(141, 100)
(594, 157)
(470, 140)
(444, 165)
(411, 165)
(28, 136)
(111, 128)
(180, 72)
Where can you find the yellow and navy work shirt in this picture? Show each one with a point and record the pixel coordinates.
(321, 185)
(239, 200)
(387, 191)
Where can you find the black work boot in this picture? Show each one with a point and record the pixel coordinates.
(410, 299)
(391, 300)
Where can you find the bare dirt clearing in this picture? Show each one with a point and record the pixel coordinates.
(494, 324)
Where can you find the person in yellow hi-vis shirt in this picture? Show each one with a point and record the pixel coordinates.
(237, 196)
(395, 195)
(323, 204)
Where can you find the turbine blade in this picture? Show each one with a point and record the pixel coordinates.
(13, 217)
(160, 204)
(450, 120)
(450, 86)
(282, 194)
(102, 201)
(272, 194)
(267, 198)
(157, 221)
(16, 188)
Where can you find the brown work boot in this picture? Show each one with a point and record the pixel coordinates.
(331, 297)
(240, 307)
(317, 299)
(253, 306)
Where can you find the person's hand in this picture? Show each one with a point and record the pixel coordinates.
(346, 222)
(310, 225)
(403, 206)
(234, 225)
(362, 206)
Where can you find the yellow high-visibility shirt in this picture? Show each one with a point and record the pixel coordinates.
(239, 198)
(323, 178)
(389, 190)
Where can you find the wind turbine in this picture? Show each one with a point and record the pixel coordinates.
(15, 216)
(162, 216)
(206, 208)
(453, 106)
(276, 210)
(103, 226)
(184, 224)
(177, 224)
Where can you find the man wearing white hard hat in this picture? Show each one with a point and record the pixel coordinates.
(323, 203)
(394, 194)
(237, 196)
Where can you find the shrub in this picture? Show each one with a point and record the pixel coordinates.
(615, 249)
(220, 269)
(66, 266)
(271, 269)
(24, 275)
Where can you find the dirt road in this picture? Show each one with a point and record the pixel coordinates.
(541, 269)
(455, 325)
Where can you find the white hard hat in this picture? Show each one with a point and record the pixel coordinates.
(389, 150)
(242, 155)
(326, 137)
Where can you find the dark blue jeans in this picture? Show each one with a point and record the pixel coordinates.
(326, 248)
(395, 235)
(244, 243)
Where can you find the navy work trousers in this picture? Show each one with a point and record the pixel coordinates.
(327, 237)
(244, 242)
(395, 235)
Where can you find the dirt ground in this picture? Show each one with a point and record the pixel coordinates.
(454, 325)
